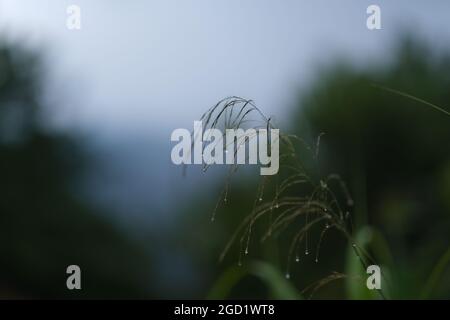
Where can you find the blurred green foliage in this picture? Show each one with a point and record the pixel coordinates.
(394, 151)
(394, 154)
(280, 288)
(44, 227)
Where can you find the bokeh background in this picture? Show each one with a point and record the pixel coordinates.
(85, 124)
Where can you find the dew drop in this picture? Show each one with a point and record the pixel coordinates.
(306, 252)
(225, 200)
(276, 206)
(288, 276)
(317, 260)
(260, 199)
(246, 251)
(297, 259)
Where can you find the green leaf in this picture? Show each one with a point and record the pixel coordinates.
(279, 286)
(356, 274)
(436, 274)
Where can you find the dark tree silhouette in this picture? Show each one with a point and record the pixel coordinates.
(43, 227)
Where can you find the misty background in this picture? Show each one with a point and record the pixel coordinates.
(137, 71)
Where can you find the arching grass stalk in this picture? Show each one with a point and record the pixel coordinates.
(298, 196)
(414, 98)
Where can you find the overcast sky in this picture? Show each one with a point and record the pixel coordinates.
(152, 66)
(139, 69)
